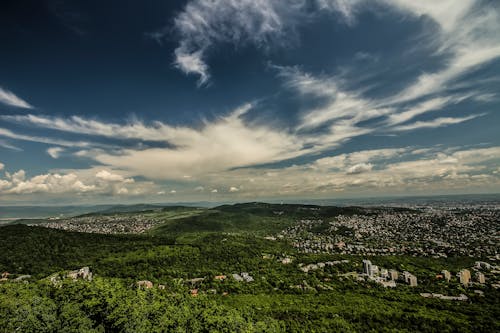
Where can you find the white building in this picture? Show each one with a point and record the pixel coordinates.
(367, 267)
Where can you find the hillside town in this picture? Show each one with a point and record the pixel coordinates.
(423, 232)
(105, 224)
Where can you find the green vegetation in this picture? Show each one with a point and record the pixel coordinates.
(194, 246)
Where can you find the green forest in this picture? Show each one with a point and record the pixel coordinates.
(183, 258)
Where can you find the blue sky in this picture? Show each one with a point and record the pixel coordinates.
(227, 100)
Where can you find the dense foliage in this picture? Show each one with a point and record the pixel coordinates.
(186, 253)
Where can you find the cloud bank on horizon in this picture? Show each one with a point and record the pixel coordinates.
(420, 117)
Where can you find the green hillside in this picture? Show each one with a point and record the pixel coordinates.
(189, 249)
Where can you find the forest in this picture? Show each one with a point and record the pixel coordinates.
(192, 263)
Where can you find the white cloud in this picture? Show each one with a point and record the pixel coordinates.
(438, 122)
(214, 191)
(9, 98)
(9, 134)
(2, 166)
(79, 182)
(468, 33)
(173, 191)
(105, 175)
(224, 151)
(447, 13)
(263, 23)
(233, 189)
(48, 183)
(122, 190)
(5, 144)
(226, 143)
(359, 168)
(55, 152)
(434, 104)
(203, 23)
(411, 170)
(192, 63)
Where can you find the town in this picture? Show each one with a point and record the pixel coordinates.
(417, 232)
(105, 224)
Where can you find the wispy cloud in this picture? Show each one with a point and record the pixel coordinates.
(7, 145)
(9, 98)
(438, 122)
(55, 152)
(205, 23)
(468, 35)
(9, 134)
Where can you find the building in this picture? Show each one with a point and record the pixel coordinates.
(410, 279)
(145, 284)
(393, 274)
(482, 265)
(388, 284)
(220, 277)
(82, 273)
(464, 276)
(374, 271)
(446, 274)
(480, 277)
(367, 267)
(286, 260)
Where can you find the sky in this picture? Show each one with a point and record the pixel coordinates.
(224, 100)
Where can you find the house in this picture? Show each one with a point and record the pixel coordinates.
(144, 284)
(220, 277)
(22, 278)
(195, 281)
(286, 260)
(83, 273)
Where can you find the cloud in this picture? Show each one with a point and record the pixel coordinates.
(214, 191)
(227, 143)
(203, 24)
(55, 152)
(107, 176)
(7, 145)
(468, 35)
(9, 98)
(81, 182)
(192, 63)
(438, 122)
(240, 148)
(2, 166)
(9, 134)
(233, 189)
(434, 104)
(398, 170)
(47, 183)
(359, 168)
